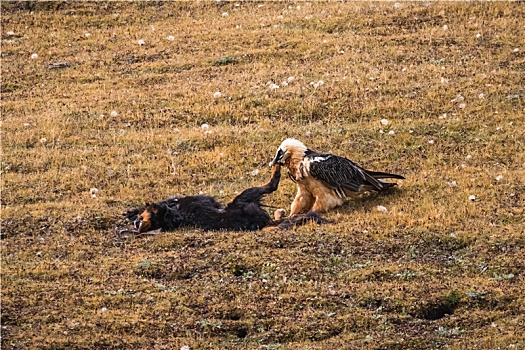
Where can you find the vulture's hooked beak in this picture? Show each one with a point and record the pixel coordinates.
(278, 157)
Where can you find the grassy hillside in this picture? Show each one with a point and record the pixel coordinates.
(106, 106)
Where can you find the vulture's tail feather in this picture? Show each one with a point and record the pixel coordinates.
(382, 175)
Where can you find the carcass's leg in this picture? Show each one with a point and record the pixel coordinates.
(254, 194)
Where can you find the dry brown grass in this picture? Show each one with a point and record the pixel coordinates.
(436, 271)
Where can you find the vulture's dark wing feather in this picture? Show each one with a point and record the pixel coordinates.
(340, 173)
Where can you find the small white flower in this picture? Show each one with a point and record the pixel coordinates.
(217, 94)
(443, 116)
(471, 197)
(397, 5)
(382, 209)
(458, 98)
(170, 37)
(316, 84)
(410, 131)
(200, 192)
(185, 347)
(104, 309)
(384, 122)
(478, 36)
(141, 42)
(445, 27)
(499, 128)
(404, 69)
(391, 132)
(27, 125)
(430, 142)
(34, 56)
(208, 132)
(93, 192)
(516, 50)
(290, 79)
(481, 96)
(255, 172)
(444, 80)
(87, 35)
(43, 140)
(176, 130)
(462, 105)
(284, 83)
(468, 157)
(10, 33)
(499, 177)
(273, 86)
(280, 17)
(308, 133)
(205, 126)
(381, 131)
(114, 113)
(452, 183)
(224, 14)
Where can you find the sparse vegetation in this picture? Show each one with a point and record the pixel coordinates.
(95, 122)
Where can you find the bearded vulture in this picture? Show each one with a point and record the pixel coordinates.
(324, 180)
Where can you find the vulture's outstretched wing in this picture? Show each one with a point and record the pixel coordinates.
(339, 173)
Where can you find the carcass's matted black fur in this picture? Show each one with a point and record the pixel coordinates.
(245, 212)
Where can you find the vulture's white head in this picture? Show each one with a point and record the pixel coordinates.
(289, 149)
